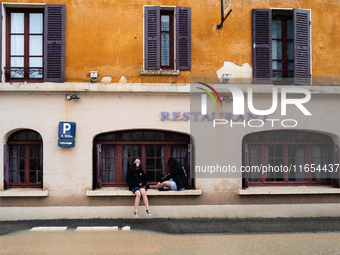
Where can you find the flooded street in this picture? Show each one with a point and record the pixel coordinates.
(144, 242)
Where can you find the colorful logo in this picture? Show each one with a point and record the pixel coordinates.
(213, 90)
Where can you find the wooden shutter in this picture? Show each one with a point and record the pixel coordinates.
(301, 47)
(54, 43)
(189, 172)
(98, 171)
(1, 46)
(335, 174)
(6, 166)
(183, 38)
(152, 38)
(41, 166)
(262, 46)
(245, 175)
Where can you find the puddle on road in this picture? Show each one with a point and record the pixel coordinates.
(144, 242)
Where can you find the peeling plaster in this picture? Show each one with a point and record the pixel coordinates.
(238, 73)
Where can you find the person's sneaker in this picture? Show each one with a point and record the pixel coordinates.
(148, 212)
(147, 186)
(136, 214)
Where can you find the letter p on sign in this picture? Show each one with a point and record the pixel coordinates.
(67, 130)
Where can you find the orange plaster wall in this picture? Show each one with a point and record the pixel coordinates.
(107, 36)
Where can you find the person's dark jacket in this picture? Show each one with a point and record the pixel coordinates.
(135, 176)
(178, 174)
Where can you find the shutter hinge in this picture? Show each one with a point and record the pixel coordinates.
(310, 22)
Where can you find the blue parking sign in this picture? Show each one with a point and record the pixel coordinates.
(67, 130)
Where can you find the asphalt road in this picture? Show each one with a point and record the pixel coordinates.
(191, 226)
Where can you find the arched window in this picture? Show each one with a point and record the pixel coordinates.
(114, 153)
(288, 158)
(23, 160)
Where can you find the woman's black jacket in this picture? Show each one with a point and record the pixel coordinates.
(135, 176)
(178, 174)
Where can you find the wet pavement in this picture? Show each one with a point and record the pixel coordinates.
(72, 241)
(190, 226)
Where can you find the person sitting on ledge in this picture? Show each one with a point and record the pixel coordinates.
(177, 179)
(136, 179)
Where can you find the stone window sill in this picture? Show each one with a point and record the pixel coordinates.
(288, 191)
(159, 72)
(117, 192)
(24, 192)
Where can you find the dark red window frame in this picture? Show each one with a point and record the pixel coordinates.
(116, 140)
(26, 139)
(277, 179)
(26, 34)
(284, 16)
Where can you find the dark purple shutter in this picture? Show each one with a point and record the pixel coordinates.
(6, 166)
(302, 47)
(335, 174)
(54, 43)
(183, 38)
(41, 166)
(262, 46)
(0, 43)
(152, 37)
(98, 173)
(190, 184)
(245, 177)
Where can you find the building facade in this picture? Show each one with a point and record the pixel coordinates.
(129, 79)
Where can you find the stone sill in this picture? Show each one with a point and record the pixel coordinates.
(159, 72)
(124, 192)
(288, 191)
(24, 192)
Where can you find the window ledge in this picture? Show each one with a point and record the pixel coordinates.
(29, 192)
(288, 191)
(159, 72)
(117, 192)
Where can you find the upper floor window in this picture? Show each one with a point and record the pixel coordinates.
(167, 38)
(289, 158)
(35, 43)
(281, 46)
(25, 47)
(23, 160)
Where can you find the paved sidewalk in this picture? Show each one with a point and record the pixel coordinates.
(190, 226)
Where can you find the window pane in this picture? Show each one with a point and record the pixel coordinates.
(150, 164)
(276, 29)
(126, 136)
(150, 152)
(160, 164)
(276, 49)
(36, 23)
(110, 164)
(110, 152)
(290, 50)
(290, 29)
(136, 152)
(124, 176)
(149, 135)
(33, 177)
(17, 45)
(165, 49)
(160, 151)
(17, 23)
(165, 23)
(36, 45)
(111, 176)
(137, 136)
(35, 62)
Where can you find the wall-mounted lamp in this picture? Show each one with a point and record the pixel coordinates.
(94, 76)
(226, 77)
(70, 97)
(226, 98)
